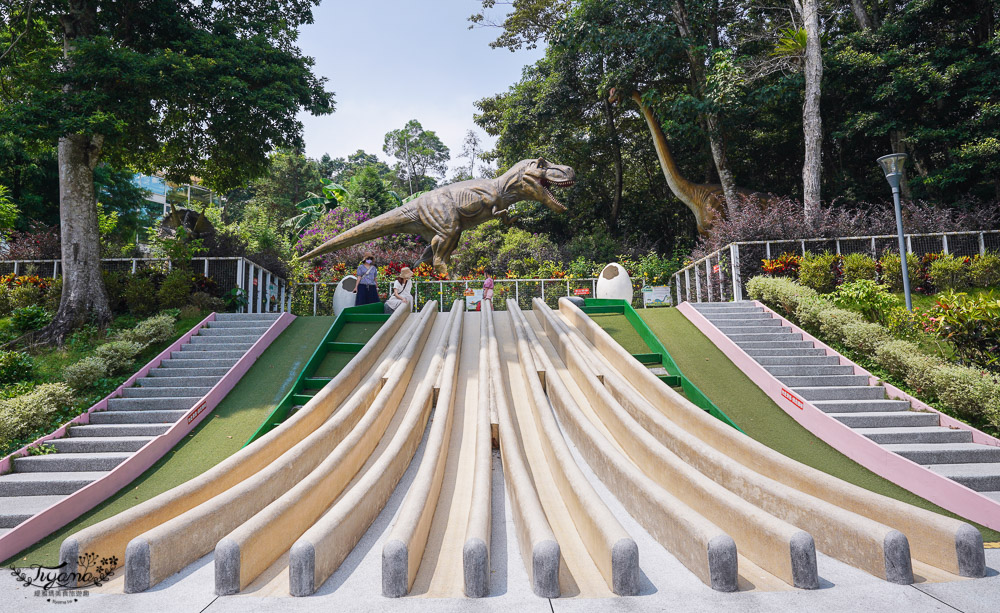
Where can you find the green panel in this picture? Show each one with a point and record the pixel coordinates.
(648, 358)
(691, 391)
(312, 375)
(671, 380)
(591, 310)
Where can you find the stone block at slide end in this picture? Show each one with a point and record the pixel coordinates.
(898, 565)
(137, 566)
(805, 574)
(971, 555)
(395, 569)
(545, 569)
(625, 568)
(723, 563)
(69, 554)
(476, 567)
(227, 567)
(302, 569)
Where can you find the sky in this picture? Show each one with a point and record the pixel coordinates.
(389, 61)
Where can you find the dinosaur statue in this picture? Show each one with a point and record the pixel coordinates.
(196, 225)
(706, 201)
(441, 215)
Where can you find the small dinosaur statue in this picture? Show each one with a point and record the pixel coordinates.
(706, 201)
(196, 225)
(441, 215)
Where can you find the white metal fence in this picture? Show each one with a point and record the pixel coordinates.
(263, 290)
(721, 275)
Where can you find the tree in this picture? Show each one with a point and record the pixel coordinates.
(471, 147)
(342, 170)
(812, 121)
(196, 88)
(420, 152)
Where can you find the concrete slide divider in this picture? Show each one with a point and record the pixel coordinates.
(476, 550)
(166, 548)
(536, 540)
(610, 546)
(778, 547)
(109, 538)
(404, 548)
(256, 543)
(949, 544)
(319, 552)
(700, 545)
(847, 536)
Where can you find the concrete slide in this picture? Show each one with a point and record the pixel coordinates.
(576, 417)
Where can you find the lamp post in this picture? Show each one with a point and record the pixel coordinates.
(892, 165)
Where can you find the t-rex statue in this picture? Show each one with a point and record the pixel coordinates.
(196, 225)
(441, 215)
(706, 201)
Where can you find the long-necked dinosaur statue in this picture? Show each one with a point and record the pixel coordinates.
(706, 201)
(441, 215)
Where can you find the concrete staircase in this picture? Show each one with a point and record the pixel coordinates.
(143, 412)
(848, 398)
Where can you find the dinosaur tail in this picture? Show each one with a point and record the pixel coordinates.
(386, 223)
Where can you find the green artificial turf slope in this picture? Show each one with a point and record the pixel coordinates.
(220, 435)
(749, 407)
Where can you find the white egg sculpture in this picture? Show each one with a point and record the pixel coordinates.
(614, 283)
(344, 295)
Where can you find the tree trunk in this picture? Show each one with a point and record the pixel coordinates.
(616, 150)
(718, 145)
(861, 14)
(812, 122)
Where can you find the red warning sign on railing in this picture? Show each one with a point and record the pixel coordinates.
(582, 291)
(715, 268)
(790, 397)
(195, 412)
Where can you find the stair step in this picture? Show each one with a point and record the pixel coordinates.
(237, 323)
(991, 495)
(88, 444)
(117, 430)
(754, 328)
(826, 381)
(780, 335)
(831, 392)
(136, 417)
(809, 370)
(725, 307)
(46, 484)
(946, 453)
(70, 462)
(897, 419)
(17, 509)
(193, 381)
(212, 371)
(754, 316)
(930, 434)
(139, 404)
(226, 363)
(862, 406)
(164, 392)
(780, 352)
(203, 341)
(216, 354)
(246, 317)
(241, 345)
(978, 476)
(798, 360)
(235, 332)
(778, 347)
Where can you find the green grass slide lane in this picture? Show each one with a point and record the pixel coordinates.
(749, 407)
(220, 435)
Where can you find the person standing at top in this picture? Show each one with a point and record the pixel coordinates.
(487, 292)
(401, 292)
(367, 274)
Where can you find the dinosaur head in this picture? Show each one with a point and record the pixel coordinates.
(537, 176)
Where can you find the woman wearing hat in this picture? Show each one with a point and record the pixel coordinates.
(400, 293)
(366, 289)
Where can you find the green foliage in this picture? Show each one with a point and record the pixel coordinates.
(83, 374)
(140, 296)
(865, 337)
(15, 366)
(42, 449)
(116, 285)
(597, 244)
(971, 324)
(501, 250)
(867, 297)
(179, 249)
(235, 299)
(859, 267)
(785, 295)
(26, 295)
(21, 415)
(420, 152)
(818, 272)
(175, 289)
(984, 271)
(155, 329)
(207, 302)
(53, 295)
(892, 273)
(28, 318)
(949, 273)
(8, 210)
(118, 355)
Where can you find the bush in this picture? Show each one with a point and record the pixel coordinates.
(148, 331)
(865, 337)
(6, 305)
(207, 302)
(26, 295)
(53, 295)
(904, 324)
(966, 391)
(904, 360)
(116, 286)
(190, 312)
(26, 319)
(859, 267)
(785, 265)
(15, 366)
(781, 294)
(892, 273)
(984, 271)
(971, 324)
(140, 296)
(819, 272)
(175, 289)
(833, 320)
(118, 355)
(22, 415)
(867, 297)
(85, 373)
(949, 273)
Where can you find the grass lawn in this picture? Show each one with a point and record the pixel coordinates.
(748, 406)
(217, 437)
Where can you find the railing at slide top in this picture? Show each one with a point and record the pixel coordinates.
(264, 291)
(659, 355)
(721, 275)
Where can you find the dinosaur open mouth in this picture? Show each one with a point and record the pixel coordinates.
(545, 187)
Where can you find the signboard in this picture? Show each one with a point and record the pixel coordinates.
(472, 298)
(790, 397)
(656, 295)
(581, 291)
(715, 268)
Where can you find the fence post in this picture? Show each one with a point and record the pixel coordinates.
(543, 290)
(767, 250)
(517, 293)
(315, 290)
(803, 247)
(416, 295)
(260, 289)
(982, 247)
(909, 244)
(838, 246)
(697, 285)
(708, 278)
(944, 244)
(874, 253)
(687, 284)
(134, 261)
(206, 267)
(440, 294)
(282, 308)
(16, 262)
(55, 268)
(677, 282)
(734, 255)
(593, 288)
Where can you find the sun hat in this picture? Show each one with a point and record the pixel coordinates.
(405, 273)
(368, 256)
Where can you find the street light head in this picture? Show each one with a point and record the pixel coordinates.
(892, 165)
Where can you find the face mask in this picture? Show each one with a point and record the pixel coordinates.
(368, 261)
